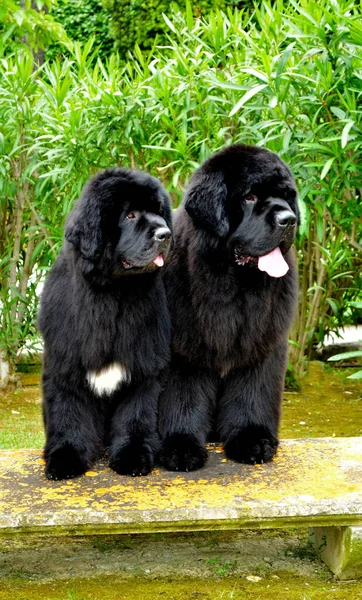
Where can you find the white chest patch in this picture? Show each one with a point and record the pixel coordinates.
(107, 380)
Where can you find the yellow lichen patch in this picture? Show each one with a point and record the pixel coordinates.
(307, 478)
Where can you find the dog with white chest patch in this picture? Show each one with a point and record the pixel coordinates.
(106, 327)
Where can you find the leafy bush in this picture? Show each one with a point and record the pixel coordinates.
(140, 22)
(288, 77)
(83, 19)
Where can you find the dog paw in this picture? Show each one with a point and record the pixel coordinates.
(182, 452)
(64, 463)
(133, 459)
(251, 445)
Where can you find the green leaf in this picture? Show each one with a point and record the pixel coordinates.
(327, 166)
(356, 33)
(19, 17)
(334, 306)
(249, 94)
(256, 74)
(282, 63)
(189, 16)
(304, 225)
(356, 304)
(338, 112)
(345, 132)
(344, 355)
(357, 375)
(168, 22)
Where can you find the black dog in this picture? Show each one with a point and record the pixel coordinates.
(231, 284)
(106, 327)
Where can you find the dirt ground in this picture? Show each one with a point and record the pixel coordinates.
(268, 564)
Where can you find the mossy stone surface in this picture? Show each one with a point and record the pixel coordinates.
(310, 482)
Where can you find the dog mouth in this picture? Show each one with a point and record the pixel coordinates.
(158, 261)
(273, 263)
(243, 259)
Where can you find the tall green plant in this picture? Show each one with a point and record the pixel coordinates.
(25, 27)
(288, 77)
(22, 229)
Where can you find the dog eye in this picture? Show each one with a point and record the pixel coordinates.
(250, 198)
(131, 215)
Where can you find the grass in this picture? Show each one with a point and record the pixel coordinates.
(20, 415)
(328, 404)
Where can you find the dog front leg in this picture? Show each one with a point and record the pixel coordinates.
(186, 405)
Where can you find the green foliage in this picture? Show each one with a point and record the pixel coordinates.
(288, 77)
(220, 568)
(346, 356)
(81, 20)
(141, 22)
(29, 26)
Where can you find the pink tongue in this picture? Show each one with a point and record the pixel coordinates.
(159, 260)
(273, 263)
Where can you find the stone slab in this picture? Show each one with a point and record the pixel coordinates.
(340, 548)
(313, 482)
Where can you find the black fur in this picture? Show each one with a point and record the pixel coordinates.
(103, 303)
(230, 319)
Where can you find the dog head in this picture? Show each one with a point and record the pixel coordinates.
(121, 223)
(246, 196)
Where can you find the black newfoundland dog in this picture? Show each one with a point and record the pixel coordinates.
(106, 327)
(231, 284)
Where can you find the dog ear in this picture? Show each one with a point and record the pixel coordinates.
(84, 230)
(205, 202)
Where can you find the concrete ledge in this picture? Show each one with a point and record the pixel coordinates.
(315, 482)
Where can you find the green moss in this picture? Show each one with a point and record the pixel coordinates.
(269, 587)
(328, 404)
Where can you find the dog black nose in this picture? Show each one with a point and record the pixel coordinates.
(285, 218)
(162, 234)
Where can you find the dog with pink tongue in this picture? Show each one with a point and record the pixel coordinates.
(231, 283)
